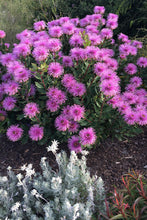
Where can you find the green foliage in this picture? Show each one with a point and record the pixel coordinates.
(14, 17)
(130, 202)
(69, 193)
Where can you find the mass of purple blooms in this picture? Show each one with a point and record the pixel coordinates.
(91, 45)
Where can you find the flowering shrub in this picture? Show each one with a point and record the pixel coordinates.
(70, 79)
(70, 193)
(130, 202)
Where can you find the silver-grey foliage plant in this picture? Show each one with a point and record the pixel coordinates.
(67, 194)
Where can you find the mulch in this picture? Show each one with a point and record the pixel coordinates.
(110, 160)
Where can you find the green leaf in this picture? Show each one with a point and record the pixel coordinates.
(20, 117)
(38, 85)
(119, 216)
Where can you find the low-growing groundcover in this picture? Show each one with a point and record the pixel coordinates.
(70, 193)
(70, 80)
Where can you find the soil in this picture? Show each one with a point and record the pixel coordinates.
(109, 160)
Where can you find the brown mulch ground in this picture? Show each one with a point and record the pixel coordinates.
(109, 160)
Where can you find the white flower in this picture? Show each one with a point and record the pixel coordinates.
(4, 179)
(84, 152)
(15, 207)
(19, 176)
(53, 147)
(23, 167)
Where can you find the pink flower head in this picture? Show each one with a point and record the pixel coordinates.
(92, 52)
(109, 87)
(124, 107)
(66, 112)
(78, 53)
(110, 75)
(68, 28)
(131, 68)
(2, 34)
(63, 20)
(91, 29)
(130, 117)
(53, 23)
(21, 50)
(54, 45)
(77, 112)
(6, 77)
(111, 63)
(68, 80)
(14, 66)
(96, 18)
(36, 132)
(31, 110)
(57, 95)
(87, 136)
(52, 105)
(61, 123)
(40, 25)
(99, 9)
(129, 97)
(55, 31)
(126, 49)
(112, 16)
(75, 21)
(21, 75)
(136, 81)
(142, 117)
(73, 126)
(111, 24)
(106, 33)
(76, 40)
(100, 68)
(9, 103)
(55, 69)
(137, 44)
(11, 88)
(67, 61)
(124, 38)
(84, 22)
(14, 133)
(142, 62)
(95, 39)
(7, 58)
(40, 53)
(78, 89)
(130, 88)
(74, 144)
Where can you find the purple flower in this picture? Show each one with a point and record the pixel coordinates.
(14, 133)
(55, 31)
(40, 25)
(142, 62)
(87, 136)
(9, 103)
(31, 110)
(40, 53)
(74, 144)
(77, 112)
(2, 34)
(55, 69)
(52, 105)
(61, 123)
(36, 132)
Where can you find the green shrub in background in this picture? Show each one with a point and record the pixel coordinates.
(68, 194)
(14, 17)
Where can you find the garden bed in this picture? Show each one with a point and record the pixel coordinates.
(109, 160)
